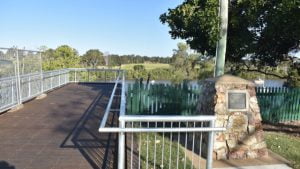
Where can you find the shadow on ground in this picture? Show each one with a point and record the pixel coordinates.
(6, 165)
(99, 149)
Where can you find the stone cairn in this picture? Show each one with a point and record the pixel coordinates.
(243, 137)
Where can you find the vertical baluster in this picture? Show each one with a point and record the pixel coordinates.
(171, 140)
(131, 153)
(51, 80)
(163, 147)
(75, 79)
(147, 149)
(178, 142)
(140, 144)
(12, 91)
(59, 82)
(29, 86)
(193, 147)
(200, 148)
(155, 147)
(210, 146)
(185, 145)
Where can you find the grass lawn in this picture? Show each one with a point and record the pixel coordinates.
(286, 146)
(171, 151)
(148, 66)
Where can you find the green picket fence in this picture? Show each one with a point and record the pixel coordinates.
(276, 104)
(279, 104)
(162, 99)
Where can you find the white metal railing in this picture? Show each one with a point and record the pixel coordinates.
(194, 130)
(15, 90)
(198, 130)
(93, 75)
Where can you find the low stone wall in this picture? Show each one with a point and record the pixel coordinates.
(244, 136)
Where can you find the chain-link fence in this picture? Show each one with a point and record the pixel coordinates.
(20, 76)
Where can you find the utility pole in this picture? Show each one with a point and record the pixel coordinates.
(221, 45)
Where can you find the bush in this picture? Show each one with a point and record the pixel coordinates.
(138, 67)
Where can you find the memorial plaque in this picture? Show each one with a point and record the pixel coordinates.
(237, 100)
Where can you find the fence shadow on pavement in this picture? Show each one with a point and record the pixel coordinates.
(99, 149)
(6, 165)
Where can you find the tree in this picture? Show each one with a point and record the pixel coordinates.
(93, 58)
(263, 30)
(184, 62)
(62, 57)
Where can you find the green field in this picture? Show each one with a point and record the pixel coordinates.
(286, 146)
(148, 66)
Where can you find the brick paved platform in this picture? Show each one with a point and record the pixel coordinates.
(60, 131)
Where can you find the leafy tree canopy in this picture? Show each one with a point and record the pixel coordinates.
(184, 62)
(62, 57)
(93, 58)
(263, 30)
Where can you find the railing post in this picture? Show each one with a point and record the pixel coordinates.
(65, 77)
(121, 150)
(29, 86)
(12, 91)
(42, 78)
(18, 80)
(75, 79)
(210, 146)
(51, 80)
(58, 77)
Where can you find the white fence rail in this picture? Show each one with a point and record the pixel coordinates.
(139, 134)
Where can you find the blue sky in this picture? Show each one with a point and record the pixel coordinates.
(114, 26)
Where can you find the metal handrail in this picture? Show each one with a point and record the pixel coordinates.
(48, 80)
(123, 119)
(108, 107)
(166, 118)
(160, 130)
(93, 69)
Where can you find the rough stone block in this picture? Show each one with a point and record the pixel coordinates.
(232, 144)
(238, 123)
(220, 137)
(252, 154)
(220, 109)
(221, 154)
(257, 118)
(219, 145)
(259, 134)
(251, 129)
(262, 152)
(250, 140)
(219, 123)
(260, 145)
(242, 136)
(238, 154)
(253, 100)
